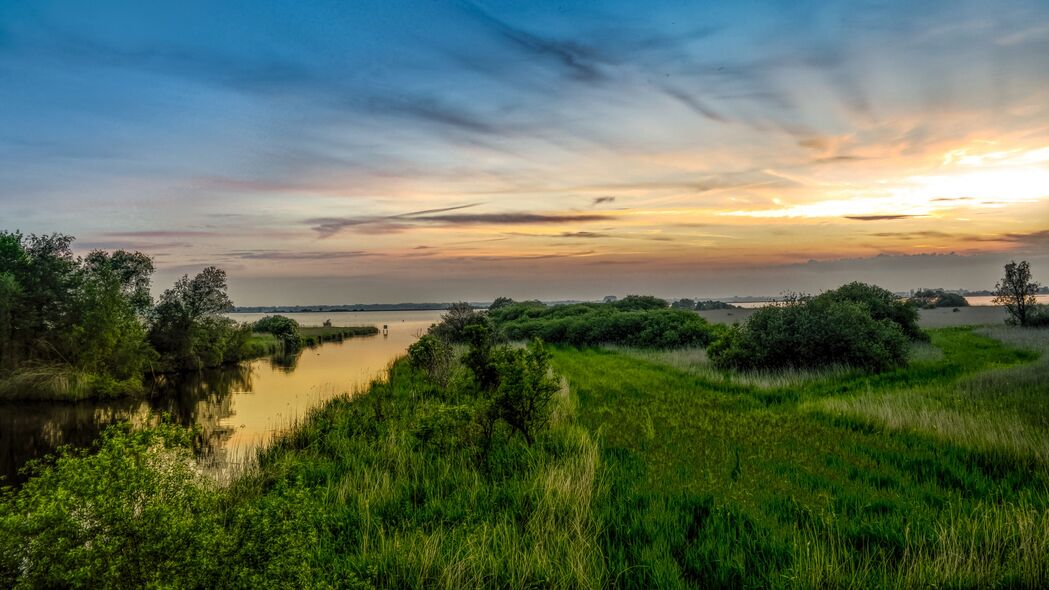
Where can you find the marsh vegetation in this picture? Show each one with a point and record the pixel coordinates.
(479, 460)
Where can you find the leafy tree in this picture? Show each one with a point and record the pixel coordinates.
(882, 305)
(1016, 291)
(526, 389)
(434, 357)
(452, 327)
(933, 298)
(284, 328)
(480, 357)
(133, 271)
(640, 303)
(500, 302)
(683, 304)
(812, 333)
(10, 290)
(186, 326)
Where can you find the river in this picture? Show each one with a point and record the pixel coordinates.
(236, 409)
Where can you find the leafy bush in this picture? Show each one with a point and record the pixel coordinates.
(432, 356)
(454, 322)
(640, 322)
(526, 389)
(640, 303)
(882, 305)
(933, 298)
(135, 513)
(284, 328)
(809, 334)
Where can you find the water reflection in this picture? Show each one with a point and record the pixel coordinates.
(235, 409)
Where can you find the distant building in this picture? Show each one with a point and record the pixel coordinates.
(610, 299)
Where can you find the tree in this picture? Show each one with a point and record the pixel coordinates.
(132, 270)
(500, 302)
(526, 390)
(1016, 291)
(284, 328)
(187, 327)
(685, 303)
(454, 322)
(9, 292)
(881, 303)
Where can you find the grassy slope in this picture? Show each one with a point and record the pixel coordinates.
(717, 481)
(695, 479)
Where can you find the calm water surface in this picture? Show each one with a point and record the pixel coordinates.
(237, 409)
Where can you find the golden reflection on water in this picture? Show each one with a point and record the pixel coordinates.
(237, 410)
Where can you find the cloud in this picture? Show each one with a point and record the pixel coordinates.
(284, 255)
(694, 103)
(580, 62)
(880, 217)
(602, 200)
(161, 234)
(584, 234)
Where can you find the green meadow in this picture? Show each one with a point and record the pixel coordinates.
(655, 470)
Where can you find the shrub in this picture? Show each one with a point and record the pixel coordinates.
(933, 298)
(432, 356)
(526, 389)
(284, 328)
(589, 324)
(810, 334)
(640, 303)
(882, 305)
(454, 322)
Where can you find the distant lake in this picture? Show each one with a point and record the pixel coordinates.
(237, 409)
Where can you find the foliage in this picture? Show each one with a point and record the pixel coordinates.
(711, 305)
(639, 303)
(639, 322)
(500, 302)
(284, 328)
(134, 513)
(882, 304)
(454, 322)
(683, 304)
(434, 357)
(62, 315)
(1016, 291)
(526, 389)
(820, 332)
(933, 298)
(934, 475)
(766, 487)
(187, 328)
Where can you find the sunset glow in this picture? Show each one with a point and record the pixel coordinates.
(360, 151)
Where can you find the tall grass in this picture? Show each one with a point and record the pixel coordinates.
(997, 412)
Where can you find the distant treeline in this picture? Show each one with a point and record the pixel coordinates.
(345, 308)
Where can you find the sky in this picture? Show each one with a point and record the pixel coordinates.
(351, 152)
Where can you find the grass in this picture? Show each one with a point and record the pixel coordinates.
(63, 383)
(312, 336)
(739, 480)
(657, 471)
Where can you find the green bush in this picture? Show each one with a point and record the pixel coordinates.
(882, 305)
(284, 328)
(434, 357)
(933, 298)
(135, 513)
(640, 322)
(817, 333)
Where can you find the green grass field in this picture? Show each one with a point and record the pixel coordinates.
(933, 475)
(656, 471)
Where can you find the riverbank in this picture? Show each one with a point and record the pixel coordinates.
(657, 471)
(62, 383)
